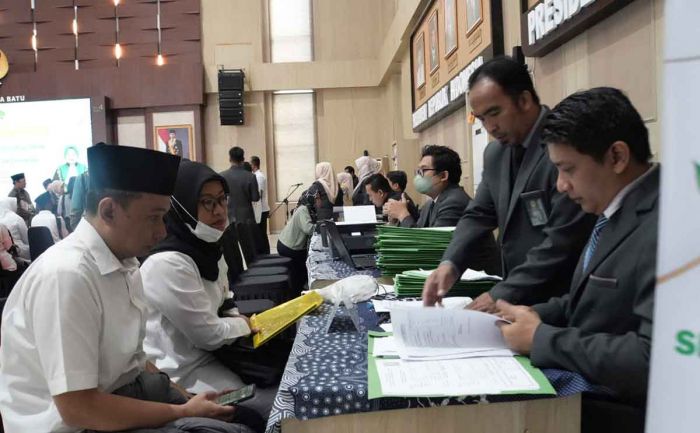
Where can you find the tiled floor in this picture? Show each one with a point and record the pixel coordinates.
(273, 242)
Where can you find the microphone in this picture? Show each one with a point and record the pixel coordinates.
(297, 184)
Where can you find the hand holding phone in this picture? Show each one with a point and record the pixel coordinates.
(237, 396)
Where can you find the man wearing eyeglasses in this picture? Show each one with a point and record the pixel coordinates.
(541, 231)
(438, 176)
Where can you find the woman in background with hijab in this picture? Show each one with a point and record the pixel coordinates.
(294, 237)
(366, 167)
(185, 282)
(346, 187)
(326, 188)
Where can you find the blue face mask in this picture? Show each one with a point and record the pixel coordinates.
(423, 184)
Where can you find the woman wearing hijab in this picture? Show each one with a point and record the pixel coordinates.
(294, 237)
(185, 282)
(326, 188)
(346, 187)
(15, 224)
(366, 167)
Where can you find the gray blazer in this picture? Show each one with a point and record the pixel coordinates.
(243, 191)
(443, 212)
(538, 256)
(602, 327)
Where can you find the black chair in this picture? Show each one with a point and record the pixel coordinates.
(8, 279)
(40, 240)
(247, 233)
(602, 415)
(272, 283)
(234, 259)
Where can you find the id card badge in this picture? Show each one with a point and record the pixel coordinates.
(535, 207)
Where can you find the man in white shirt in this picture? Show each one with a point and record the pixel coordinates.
(263, 205)
(73, 326)
(45, 218)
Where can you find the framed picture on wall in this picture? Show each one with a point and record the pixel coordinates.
(474, 15)
(450, 27)
(433, 42)
(420, 60)
(175, 139)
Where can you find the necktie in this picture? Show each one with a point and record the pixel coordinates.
(517, 154)
(430, 205)
(593, 241)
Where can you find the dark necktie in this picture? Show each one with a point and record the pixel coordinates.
(517, 154)
(593, 241)
(430, 205)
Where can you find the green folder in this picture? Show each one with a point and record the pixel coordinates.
(410, 284)
(374, 386)
(400, 249)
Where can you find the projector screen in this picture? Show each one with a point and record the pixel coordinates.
(38, 138)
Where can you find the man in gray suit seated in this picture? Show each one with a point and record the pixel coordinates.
(602, 327)
(437, 176)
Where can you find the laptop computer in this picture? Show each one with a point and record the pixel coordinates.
(357, 261)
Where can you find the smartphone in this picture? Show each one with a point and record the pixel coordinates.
(237, 396)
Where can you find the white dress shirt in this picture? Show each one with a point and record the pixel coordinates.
(616, 202)
(47, 219)
(15, 224)
(262, 186)
(74, 321)
(183, 325)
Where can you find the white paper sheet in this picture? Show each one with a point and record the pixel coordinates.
(454, 377)
(384, 346)
(468, 275)
(435, 332)
(441, 354)
(386, 288)
(387, 327)
(384, 306)
(359, 214)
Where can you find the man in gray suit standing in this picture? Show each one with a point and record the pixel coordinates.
(602, 327)
(243, 188)
(541, 232)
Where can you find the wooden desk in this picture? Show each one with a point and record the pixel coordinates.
(552, 415)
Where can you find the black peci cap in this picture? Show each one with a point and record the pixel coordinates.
(132, 169)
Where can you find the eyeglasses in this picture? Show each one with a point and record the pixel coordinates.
(421, 171)
(209, 204)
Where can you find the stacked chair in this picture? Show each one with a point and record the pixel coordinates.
(40, 240)
(258, 287)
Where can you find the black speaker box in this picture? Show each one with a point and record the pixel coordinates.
(231, 80)
(231, 97)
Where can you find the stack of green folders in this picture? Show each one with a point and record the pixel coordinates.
(410, 284)
(401, 249)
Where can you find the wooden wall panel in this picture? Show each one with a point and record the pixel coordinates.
(133, 82)
(15, 34)
(181, 32)
(469, 46)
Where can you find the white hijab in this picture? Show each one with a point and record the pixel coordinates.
(324, 175)
(7, 205)
(345, 182)
(366, 167)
